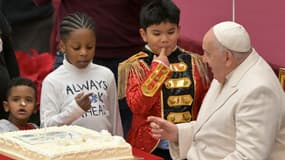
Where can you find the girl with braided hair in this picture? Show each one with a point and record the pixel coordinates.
(80, 92)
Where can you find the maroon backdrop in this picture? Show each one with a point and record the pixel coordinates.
(263, 19)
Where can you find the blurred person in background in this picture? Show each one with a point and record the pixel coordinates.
(8, 62)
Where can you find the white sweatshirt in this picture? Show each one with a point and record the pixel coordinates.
(58, 106)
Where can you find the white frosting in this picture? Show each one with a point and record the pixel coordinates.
(63, 143)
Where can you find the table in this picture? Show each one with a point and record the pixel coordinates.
(145, 155)
(2, 157)
(136, 152)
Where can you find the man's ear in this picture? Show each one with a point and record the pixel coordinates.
(143, 34)
(6, 106)
(61, 46)
(229, 58)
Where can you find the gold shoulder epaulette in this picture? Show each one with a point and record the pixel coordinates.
(123, 72)
(202, 68)
(135, 57)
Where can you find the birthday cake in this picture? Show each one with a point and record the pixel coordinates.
(64, 143)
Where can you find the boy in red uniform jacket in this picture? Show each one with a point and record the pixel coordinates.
(162, 80)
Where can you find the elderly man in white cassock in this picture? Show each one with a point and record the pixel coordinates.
(243, 114)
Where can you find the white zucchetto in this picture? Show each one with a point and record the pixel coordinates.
(233, 36)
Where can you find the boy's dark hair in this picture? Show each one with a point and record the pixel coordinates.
(158, 11)
(75, 21)
(20, 81)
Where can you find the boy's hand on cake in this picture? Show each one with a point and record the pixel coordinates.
(84, 101)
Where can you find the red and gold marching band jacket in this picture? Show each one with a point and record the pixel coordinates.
(173, 92)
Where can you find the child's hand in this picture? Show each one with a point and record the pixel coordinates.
(83, 101)
(162, 56)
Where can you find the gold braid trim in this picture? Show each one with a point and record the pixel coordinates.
(127, 66)
(155, 80)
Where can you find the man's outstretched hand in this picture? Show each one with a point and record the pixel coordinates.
(163, 129)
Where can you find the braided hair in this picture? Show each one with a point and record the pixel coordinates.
(77, 20)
